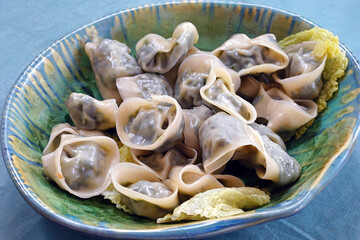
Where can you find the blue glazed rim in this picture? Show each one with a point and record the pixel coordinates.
(199, 229)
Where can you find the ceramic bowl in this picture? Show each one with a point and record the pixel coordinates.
(36, 103)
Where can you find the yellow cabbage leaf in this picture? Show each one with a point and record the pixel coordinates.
(111, 193)
(217, 203)
(125, 155)
(335, 66)
(114, 196)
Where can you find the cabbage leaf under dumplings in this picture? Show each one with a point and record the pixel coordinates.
(216, 203)
(335, 65)
(111, 193)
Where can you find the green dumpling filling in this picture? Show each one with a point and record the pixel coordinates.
(335, 65)
(216, 203)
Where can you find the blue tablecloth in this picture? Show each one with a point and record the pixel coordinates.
(28, 27)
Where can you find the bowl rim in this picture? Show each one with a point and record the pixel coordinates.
(201, 227)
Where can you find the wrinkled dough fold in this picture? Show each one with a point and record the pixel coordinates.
(161, 163)
(157, 54)
(250, 56)
(192, 75)
(224, 137)
(284, 115)
(125, 174)
(143, 86)
(88, 113)
(155, 124)
(192, 180)
(81, 165)
(64, 128)
(219, 93)
(302, 77)
(193, 119)
(111, 59)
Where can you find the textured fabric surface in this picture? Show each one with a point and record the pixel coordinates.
(28, 27)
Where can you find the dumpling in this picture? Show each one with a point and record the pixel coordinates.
(143, 192)
(155, 124)
(249, 56)
(64, 128)
(172, 74)
(250, 85)
(161, 163)
(193, 119)
(111, 59)
(283, 114)
(264, 130)
(219, 93)
(143, 86)
(224, 137)
(157, 54)
(89, 113)
(192, 180)
(81, 165)
(192, 75)
(302, 77)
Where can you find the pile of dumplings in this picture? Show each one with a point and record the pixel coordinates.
(184, 114)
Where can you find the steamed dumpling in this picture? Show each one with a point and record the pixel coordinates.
(224, 138)
(143, 192)
(250, 85)
(155, 124)
(64, 128)
(161, 163)
(143, 86)
(264, 130)
(192, 180)
(111, 59)
(302, 77)
(219, 93)
(89, 113)
(192, 75)
(157, 54)
(283, 114)
(249, 56)
(81, 165)
(194, 118)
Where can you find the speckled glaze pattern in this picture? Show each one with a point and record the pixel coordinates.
(36, 103)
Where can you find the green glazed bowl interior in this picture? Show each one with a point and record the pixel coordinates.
(36, 103)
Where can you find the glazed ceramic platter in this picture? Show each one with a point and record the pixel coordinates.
(38, 96)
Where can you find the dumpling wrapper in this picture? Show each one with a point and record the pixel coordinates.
(264, 130)
(111, 59)
(192, 180)
(89, 113)
(155, 124)
(219, 93)
(194, 118)
(143, 86)
(335, 65)
(157, 54)
(64, 128)
(302, 77)
(81, 165)
(250, 56)
(124, 174)
(192, 75)
(284, 115)
(224, 138)
(217, 203)
(161, 163)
